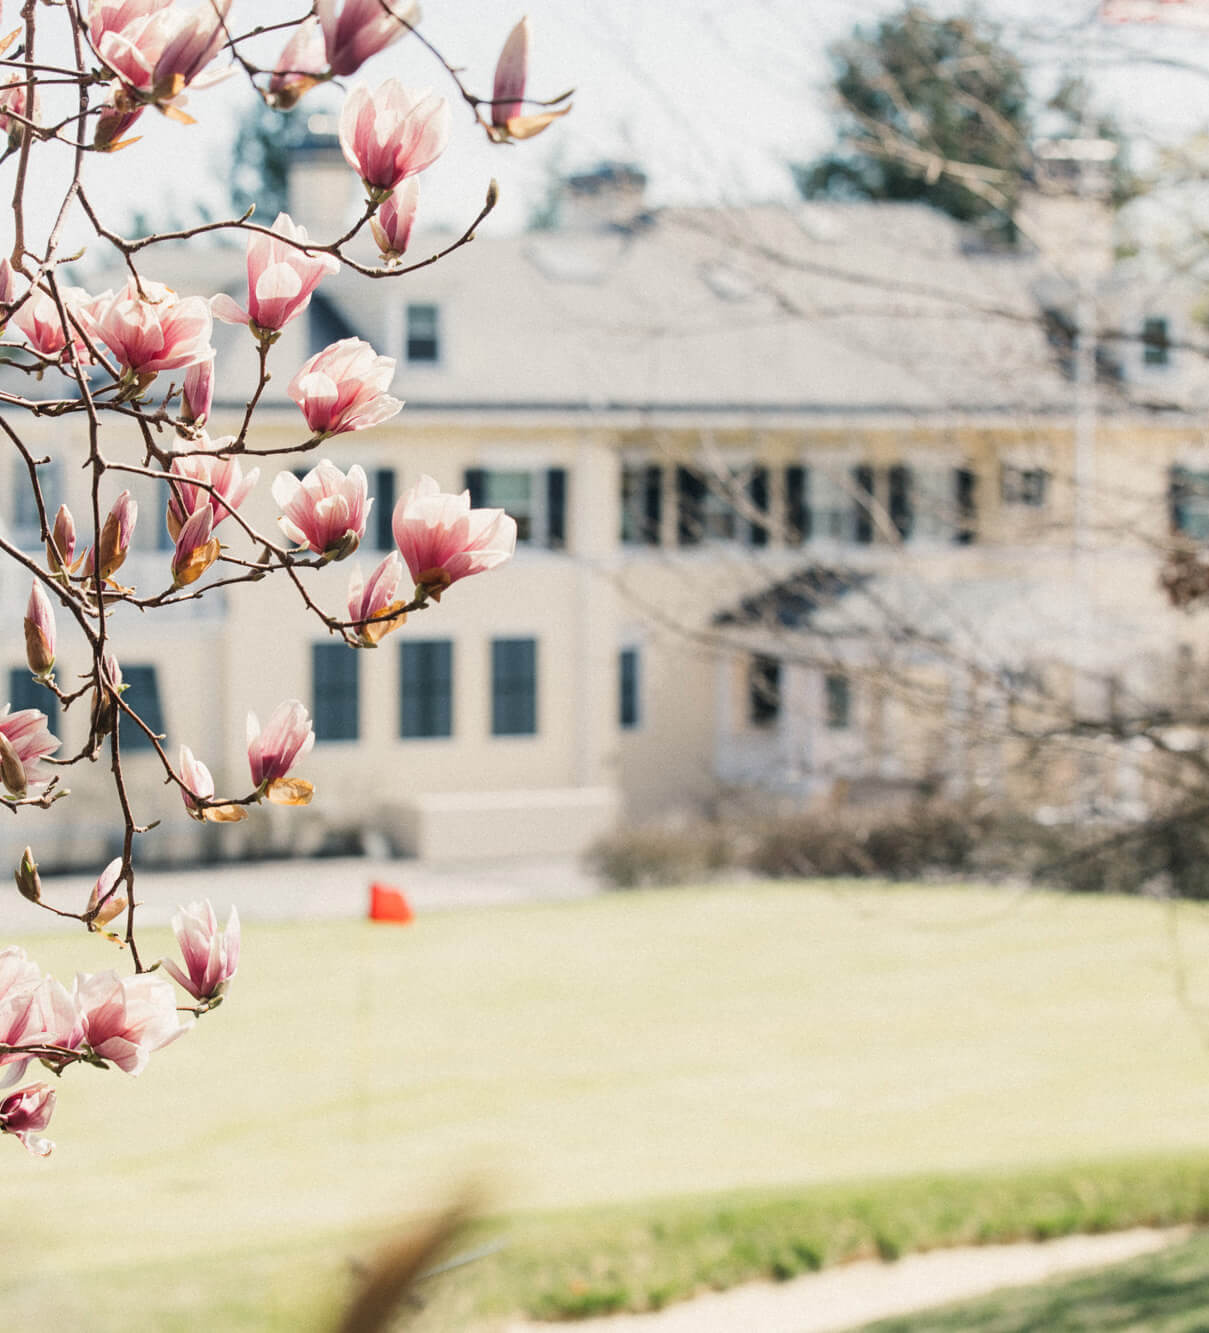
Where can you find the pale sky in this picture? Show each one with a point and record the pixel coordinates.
(710, 97)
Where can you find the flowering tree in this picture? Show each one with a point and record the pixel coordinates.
(139, 358)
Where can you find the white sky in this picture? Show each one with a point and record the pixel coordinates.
(711, 97)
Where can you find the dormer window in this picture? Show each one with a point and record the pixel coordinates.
(1156, 342)
(423, 334)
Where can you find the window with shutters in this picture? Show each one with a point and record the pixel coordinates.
(25, 692)
(722, 505)
(535, 497)
(142, 693)
(514, 687)
(1188, 498)
(335, 711)
(426, 684)
(23, 511)
(1023, 485)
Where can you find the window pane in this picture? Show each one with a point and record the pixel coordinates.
(628, 702)
(514, 687)
(513, 492)
(334, 672)
(143, 695)
(764, 691)
(384, 506)
(25, 692)
(423, 338)
(839, 702)
(426, 681)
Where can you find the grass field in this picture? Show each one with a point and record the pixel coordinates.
(629, 1048)
(1164, 1293)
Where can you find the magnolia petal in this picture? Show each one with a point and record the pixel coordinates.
(290, 791)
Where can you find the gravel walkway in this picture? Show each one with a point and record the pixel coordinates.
(845, 1298)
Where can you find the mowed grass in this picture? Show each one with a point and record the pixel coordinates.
(1162, 1293)
(631, 1048)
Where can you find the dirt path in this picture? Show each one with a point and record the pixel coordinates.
(847, 1297)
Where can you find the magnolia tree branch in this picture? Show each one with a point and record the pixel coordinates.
(138, 371)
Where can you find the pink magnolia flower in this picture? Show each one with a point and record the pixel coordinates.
(325, 511)
(39, 632)
(125, 1019)
(392, 134)
(281, 278)
(287, 738)
(197, 392)
(211, 955)
(376, 598)
(38, 318)
(24, 1112)
(28, 735)
(17, 973)
(395, 218)
(158, 50)
(229, 488)
(442, 539)
(41, 1015)
(301, 65)
(152, 331)
(354, 30)
(344, 388)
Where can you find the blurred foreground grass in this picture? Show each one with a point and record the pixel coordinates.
(635, 1047)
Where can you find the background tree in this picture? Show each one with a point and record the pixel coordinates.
(934, 110)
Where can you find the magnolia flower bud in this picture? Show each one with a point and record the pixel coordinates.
(103, 903)
(12, 770)
(40, 633)
(116, 534)
(196, 550)
(61, 549)
(29, 884)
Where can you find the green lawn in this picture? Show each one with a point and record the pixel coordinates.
(630, 1048)
(1163, 1293)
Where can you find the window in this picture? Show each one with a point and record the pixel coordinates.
(514, 687)
(384, 508)
(721, 506)
(423, 333)
(535, 497)
(334, 672)
(839, 701)
(25, 692)
(965, 492)
(143, 695)
(1156, 342)
(628, 711)
(1188, 499)
(764, 691)
(831, 507)
(1023, 485)
(426, 680)
(24, 512)
(641, 504)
